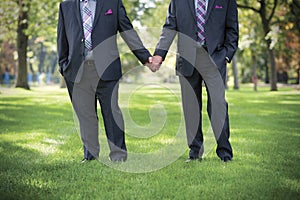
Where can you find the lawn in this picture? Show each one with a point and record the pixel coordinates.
(41, 150)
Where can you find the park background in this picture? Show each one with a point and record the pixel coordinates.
(40, 148)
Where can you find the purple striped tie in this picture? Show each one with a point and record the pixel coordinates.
(200, 13)
(87, 25)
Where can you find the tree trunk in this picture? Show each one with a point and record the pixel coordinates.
(267, 79)
(42, 58)
(273, 70)
(235, 73)
(254, 75)
(22, 42)
(267, 29)
(298, 81)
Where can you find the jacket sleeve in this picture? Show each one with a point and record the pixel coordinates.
(231, 30)
(168, 32)
(62, 42)
(130, 36)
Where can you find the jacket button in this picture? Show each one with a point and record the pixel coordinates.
(82, 40)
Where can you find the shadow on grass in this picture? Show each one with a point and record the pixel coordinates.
(23, 115)
(21, 176)
(40, 152)
(26, 173)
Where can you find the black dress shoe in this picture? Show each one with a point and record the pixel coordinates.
(226, 159)
(190, 159)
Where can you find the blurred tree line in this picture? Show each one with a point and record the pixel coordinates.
(269, 43)
(28, 39)
(269, 49)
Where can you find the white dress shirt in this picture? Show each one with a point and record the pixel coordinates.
(92, 5)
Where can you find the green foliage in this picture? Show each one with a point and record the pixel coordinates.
(138, 8)
(281, 33)
(40, 151)
(284, 31)
(8, 20)
(156, 14)
(41, 23)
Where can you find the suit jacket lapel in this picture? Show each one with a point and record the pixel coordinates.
(209, 8)
(78, 13)
(192, 7)
(99, 6)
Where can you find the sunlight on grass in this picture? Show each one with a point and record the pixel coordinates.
(293, 184)
(289, 102)
(44, 149)
(40, 147)
(46, 146)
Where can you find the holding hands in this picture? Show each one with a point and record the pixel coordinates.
(154, 63)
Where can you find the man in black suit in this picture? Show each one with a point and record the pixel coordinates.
(90, 64)
(207, 40)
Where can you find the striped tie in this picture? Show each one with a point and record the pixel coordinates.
(87, 25)
(200, 12)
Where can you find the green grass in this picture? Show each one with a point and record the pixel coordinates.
(40, 149)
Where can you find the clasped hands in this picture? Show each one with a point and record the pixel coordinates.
(154, 63)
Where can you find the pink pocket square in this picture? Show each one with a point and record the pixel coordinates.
(218, 7)
(109, 12)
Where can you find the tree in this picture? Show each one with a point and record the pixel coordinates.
(36, 18)
(292, 36)
(22, 43)
(36, 24)
(265, 9)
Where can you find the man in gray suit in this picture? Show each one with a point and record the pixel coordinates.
(89, 61)
(207, 40)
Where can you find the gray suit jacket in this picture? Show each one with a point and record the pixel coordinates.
(110, 18)
(221, 29)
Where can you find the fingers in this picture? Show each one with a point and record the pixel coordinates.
(149, 64)
(157, 60)
(154, 67)
(151, 67)
(154, 63)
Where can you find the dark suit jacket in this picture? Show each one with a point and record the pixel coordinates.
(110, 17)
(221, 29)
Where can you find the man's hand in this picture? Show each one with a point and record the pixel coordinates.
(149, 64)
(156, 62)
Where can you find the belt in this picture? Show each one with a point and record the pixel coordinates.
(89, 62)
(88, 54)
(204, 47)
